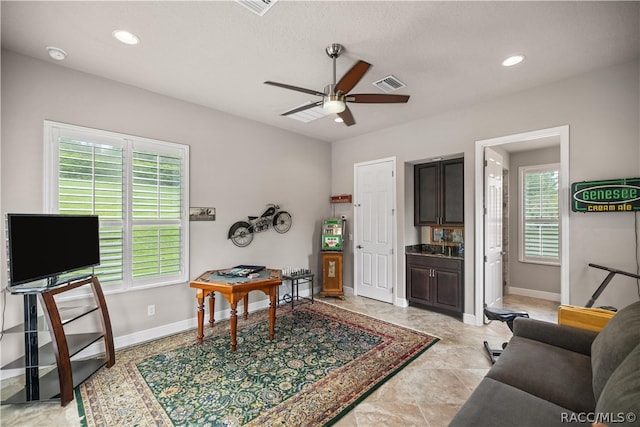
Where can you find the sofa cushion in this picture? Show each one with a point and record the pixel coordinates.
(613, 344)
(551, 373)
(620, 397)
(494, 404)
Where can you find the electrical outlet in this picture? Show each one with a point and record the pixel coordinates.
(151, 310)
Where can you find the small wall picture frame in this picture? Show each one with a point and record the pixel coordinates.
(202, 214)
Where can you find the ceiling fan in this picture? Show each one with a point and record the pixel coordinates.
(336, 95)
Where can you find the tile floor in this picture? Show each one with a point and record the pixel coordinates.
(428, 392)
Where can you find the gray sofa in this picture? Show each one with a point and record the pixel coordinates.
(552, 375)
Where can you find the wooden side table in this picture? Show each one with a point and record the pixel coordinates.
(332, 274)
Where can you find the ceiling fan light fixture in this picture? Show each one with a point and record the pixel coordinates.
(333, 104)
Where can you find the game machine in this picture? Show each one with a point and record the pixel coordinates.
(333, 230)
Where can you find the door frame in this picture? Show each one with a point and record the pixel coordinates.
(563, 133)
(394, 224)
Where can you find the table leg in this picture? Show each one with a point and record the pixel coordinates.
(233, 322)
(212, 303)
(272, 314)
(246, 306)
(200, 298)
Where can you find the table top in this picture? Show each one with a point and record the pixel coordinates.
(217, 277)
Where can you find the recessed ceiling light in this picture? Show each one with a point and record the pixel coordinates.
(56, 53)
(126, 37)
(513, 60)
(338, 120)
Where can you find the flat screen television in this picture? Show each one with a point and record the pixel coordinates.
(43, 246)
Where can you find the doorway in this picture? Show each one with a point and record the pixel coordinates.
(375, 225)
(530, 139)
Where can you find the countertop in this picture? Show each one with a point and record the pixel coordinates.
(434, 251)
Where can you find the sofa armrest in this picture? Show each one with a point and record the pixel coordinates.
(567, 337)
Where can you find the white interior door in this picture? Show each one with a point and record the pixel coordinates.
(374, 243)
(493, 251)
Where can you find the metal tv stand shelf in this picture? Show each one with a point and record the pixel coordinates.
(68, 374)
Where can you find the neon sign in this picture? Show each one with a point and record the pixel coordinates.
(615, 195)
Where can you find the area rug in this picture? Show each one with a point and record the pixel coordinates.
(323, 361)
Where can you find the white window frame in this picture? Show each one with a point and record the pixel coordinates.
(555, 261)
(53, 131)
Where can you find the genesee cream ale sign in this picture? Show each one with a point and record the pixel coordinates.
(616, 195)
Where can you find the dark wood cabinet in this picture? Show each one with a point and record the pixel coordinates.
(439, 193)
(436, 282)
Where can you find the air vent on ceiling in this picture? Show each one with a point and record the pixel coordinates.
(389, 84)
(309, 114)
(259, 7)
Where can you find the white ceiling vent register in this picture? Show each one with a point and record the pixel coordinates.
(259, 7)
(389, 84)
(308, 115)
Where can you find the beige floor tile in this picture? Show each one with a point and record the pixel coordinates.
(427, 392)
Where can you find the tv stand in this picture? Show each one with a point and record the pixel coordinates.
(68, 374)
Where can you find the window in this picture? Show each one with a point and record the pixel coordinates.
(138, 187)
(540, 214)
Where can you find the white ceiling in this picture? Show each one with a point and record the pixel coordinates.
(218, 53)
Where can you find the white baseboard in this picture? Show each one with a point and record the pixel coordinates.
(550, 296)
(469, 319)
(402, 302)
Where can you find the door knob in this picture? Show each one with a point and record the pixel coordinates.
(359, 247)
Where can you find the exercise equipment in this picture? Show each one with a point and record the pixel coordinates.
(502, 315)
(509, 316)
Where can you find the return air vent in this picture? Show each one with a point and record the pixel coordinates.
(389, 84)
(308, 115)
(259, 7)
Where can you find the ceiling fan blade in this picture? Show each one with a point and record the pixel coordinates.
(302, 108)
(296, 88)
(347, 117)
(376, 98)
(352, 77)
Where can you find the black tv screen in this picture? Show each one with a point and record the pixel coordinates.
(43, 246)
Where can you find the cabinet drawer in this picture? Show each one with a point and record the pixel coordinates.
(435, 262)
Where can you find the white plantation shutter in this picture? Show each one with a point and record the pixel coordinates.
(90, 182)
(540, 214)
(138, 188)
(156, 200)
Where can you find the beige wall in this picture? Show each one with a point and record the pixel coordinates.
(237, 166)
(601, 108)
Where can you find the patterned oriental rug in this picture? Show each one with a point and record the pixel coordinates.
(323, 362)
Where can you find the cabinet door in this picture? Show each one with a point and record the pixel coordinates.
(332, 273)
(447, 289)
(426, 194)
(419, 284)
(453, 192)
